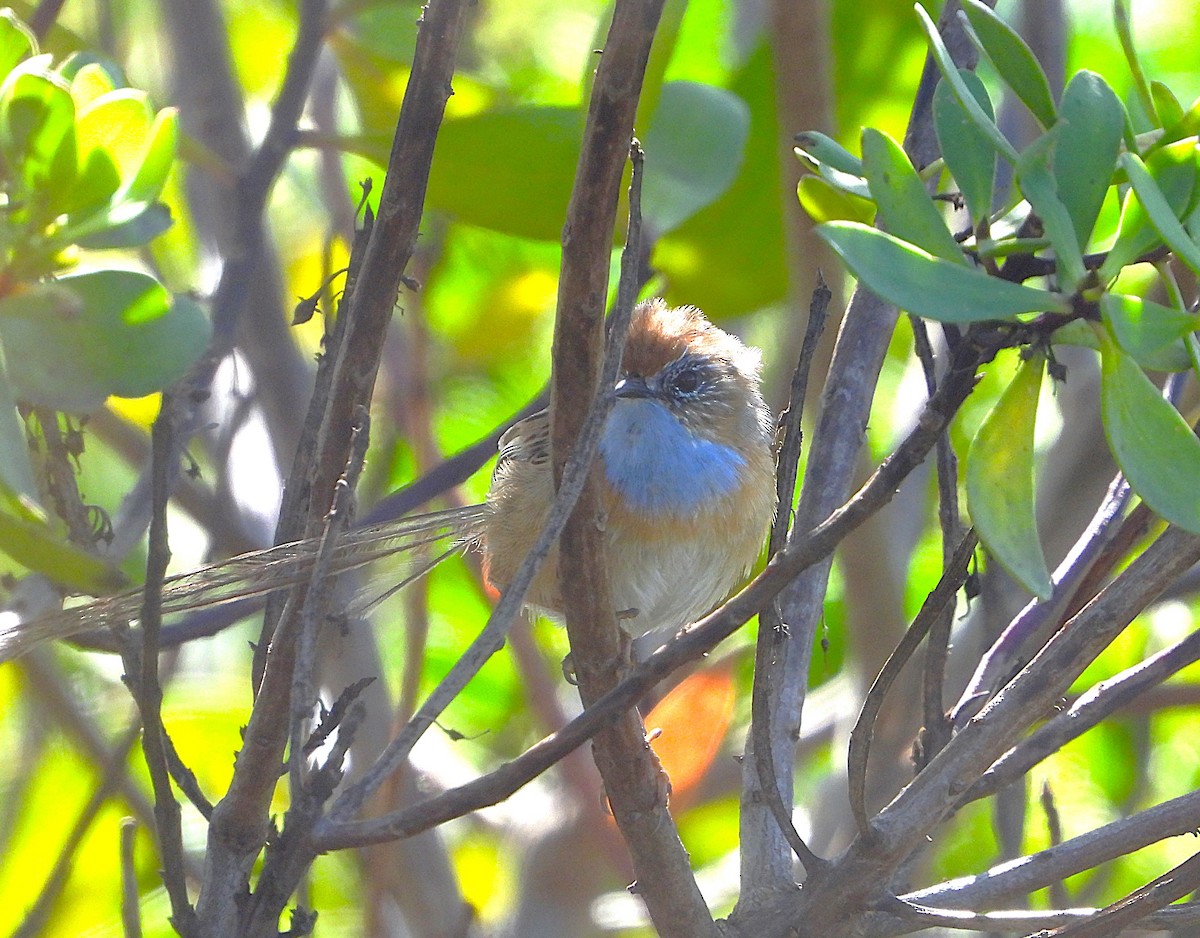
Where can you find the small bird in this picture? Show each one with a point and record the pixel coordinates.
(687, 481)
(688, 476)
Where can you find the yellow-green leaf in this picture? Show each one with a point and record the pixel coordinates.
(1000, 481)
(1152, 443)
(39, 547)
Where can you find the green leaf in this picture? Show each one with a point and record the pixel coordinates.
(856, 186)
(1166, 105)
(733, 251)
(41, 548)
(37, 137)
(1076, 332)
(116, 123)
(960, 90)
(1039, 185)
(824, 202)
(694, 147)
(96, 184)
(823, 149)
(508, 168)
(1014, 60)
(1152, 444)
(16, 41)
(157, 158)
(1149, 331)
(125, 225)
(1124, 29)
(1173, 169)
(1159, 210)
(969, 153)
(930, 286)
(904, 205)
(1000, 481)
(1085, 154)
(91, 82)
(131, 339)
(42, 301)
(1188, 125)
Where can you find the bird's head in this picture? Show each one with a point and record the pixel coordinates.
(689, 413)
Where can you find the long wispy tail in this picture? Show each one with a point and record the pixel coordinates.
(255, 574)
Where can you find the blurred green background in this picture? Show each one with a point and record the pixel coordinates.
(728, 88)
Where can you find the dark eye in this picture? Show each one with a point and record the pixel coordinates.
(687, 382)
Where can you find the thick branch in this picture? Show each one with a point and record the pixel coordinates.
(631, 773)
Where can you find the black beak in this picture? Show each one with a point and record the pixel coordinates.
(634, 386)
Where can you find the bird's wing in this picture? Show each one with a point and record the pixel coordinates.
(527, 441)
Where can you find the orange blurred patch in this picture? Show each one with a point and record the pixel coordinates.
(688, 726)
(489, 589)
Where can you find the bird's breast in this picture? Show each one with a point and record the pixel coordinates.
(657, 466)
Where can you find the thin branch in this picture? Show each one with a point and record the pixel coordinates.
(1087, 711)
(372, 296)
(771, 628)
(1026, 874)
(316, 601)
(239, 824)
(936, 731)
(44, 16)
(940, 598)
(910, 917)
(131, 921)
(1058, 889)
(792, 419)
(1033, 624)
(632, 776)
(766, 861)
(932, 795)
(491, 639)
(1138, 905)
(141, 674)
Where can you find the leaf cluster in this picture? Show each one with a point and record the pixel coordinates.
(83, 163)
(1042, 256)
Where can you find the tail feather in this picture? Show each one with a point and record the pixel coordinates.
(252, 575)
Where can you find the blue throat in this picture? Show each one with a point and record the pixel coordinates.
(659, 466)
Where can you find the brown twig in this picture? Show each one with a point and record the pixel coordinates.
(632, 776)
(936, 729)
(905, 917)
(902, 826)
(44, 16)
(316, 602)
(834, 454)
(489, 641)
(1058, 889)
(142, 678)
(239, 824)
